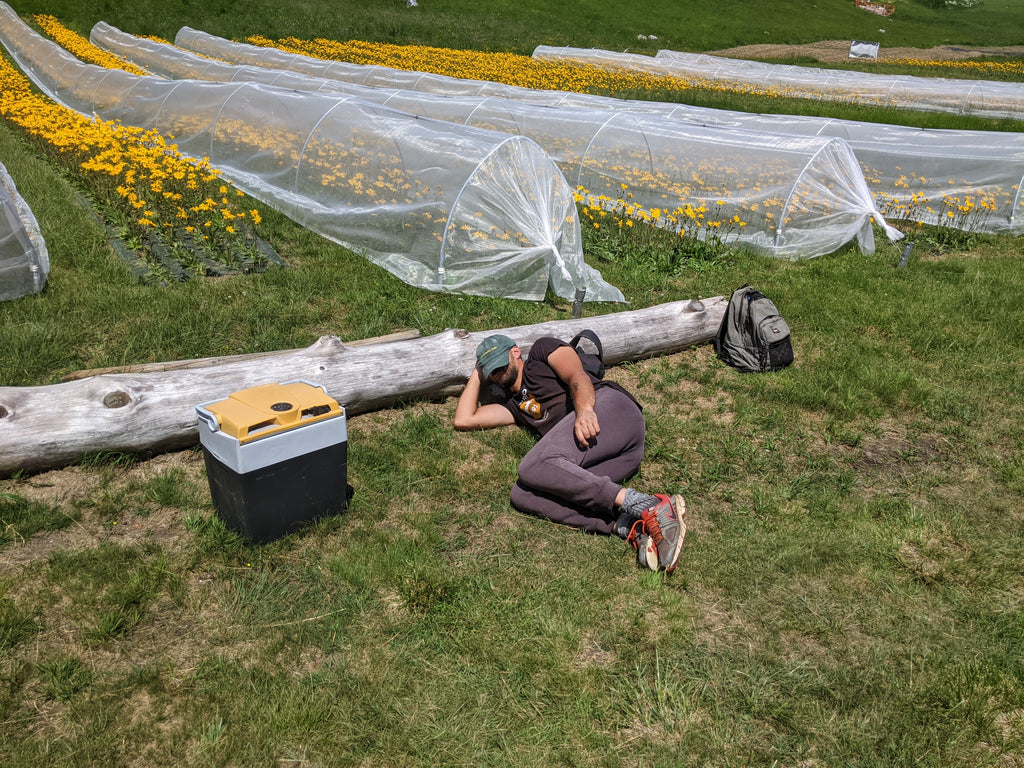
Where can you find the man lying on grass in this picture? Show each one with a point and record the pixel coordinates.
(591, 440)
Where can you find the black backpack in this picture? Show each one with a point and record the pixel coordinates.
(753, 336)
(588, 346)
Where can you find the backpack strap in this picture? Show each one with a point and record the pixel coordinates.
(730, 322)
(588, 346)
(579, 342)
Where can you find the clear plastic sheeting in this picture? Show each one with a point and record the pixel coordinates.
(913, 174)
(969, 180)
(443, 207)
(965, 97)
(363, 74)
(785, 196)
(24, 260)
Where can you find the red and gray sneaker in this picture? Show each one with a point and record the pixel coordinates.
(663, 524)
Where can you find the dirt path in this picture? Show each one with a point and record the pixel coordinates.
(839, 50)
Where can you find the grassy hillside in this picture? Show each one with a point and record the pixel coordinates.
(850, 593)
(521, 26)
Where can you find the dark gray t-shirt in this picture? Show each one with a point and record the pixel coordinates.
(541, 383)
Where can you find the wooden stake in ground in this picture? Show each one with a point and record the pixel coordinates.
(49, 426)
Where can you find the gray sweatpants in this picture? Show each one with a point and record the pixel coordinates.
(575, 486)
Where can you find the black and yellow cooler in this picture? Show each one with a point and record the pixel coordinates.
(276, 457)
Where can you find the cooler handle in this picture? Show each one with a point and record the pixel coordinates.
(211, 421)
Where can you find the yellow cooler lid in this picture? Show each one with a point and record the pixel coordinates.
(257, 412)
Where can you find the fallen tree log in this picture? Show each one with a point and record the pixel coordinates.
(48, 426)
(207, 362)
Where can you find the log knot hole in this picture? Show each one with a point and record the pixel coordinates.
(116, 399)
(3, 411)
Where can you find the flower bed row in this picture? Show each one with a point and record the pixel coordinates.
(177, 218)
(964, 211)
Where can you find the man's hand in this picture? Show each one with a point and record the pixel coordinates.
(586, 428)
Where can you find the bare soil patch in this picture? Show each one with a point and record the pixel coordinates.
(832, 51)
(77, 486)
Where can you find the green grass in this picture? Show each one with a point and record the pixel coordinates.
(850, 591)
(849, 594)
(520, 27)
(21, 518)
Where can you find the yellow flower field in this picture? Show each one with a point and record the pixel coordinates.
(157, 200)
(154, 192)
(82, 48)
(510, 68)
(1014, 69)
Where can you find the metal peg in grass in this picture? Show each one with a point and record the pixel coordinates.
(905, 256)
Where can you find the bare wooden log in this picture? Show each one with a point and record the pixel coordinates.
(48, 426)
(206, 362)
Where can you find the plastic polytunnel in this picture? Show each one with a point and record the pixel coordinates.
(969, 180)
(24, 260)
(966, 97)
(786, 196)
(362, 74)
(915, 174)
(443, 207)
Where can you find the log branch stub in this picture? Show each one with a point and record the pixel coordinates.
(116, 399)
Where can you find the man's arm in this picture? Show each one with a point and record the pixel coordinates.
(567, 366)
(469, 414)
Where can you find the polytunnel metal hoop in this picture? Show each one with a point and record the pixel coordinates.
(792, 190)
(370, 72)
(888, 91)
(167, 95)
(1016, 201)
(216, 120)
(305, 144)
(586, 152)
(821, 129)
(211, 65)
(112, 72)
(473, 111)
(271, 82)
(965, 104)
(455, 206)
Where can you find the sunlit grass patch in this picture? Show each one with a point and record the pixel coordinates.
(16, 624)
(112, 588)
(64, 677)
(21, 518)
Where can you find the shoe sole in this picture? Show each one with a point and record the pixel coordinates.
(679, 505)
(650, 554)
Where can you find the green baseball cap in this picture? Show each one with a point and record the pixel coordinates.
(492, 353)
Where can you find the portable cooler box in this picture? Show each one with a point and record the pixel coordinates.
(276, 457)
